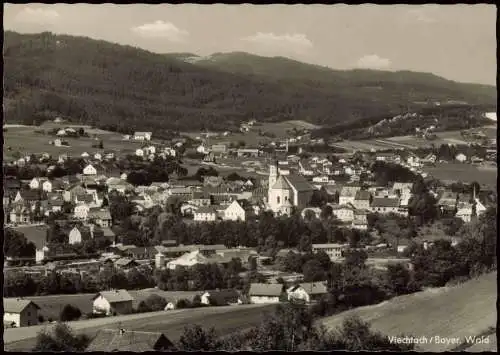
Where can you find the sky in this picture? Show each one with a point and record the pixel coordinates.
(457, 42)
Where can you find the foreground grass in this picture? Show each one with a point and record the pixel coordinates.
(450, 312)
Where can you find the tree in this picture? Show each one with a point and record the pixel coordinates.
(70, 313)
(313, 271)
(195, 338)
(16, 245)
(143, 307)
(398, 278)
(61, 339)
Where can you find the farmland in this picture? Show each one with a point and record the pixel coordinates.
(464, 172)
(452, 312)
(23, 139)
(52, 305)
(412, 142)
(225, 319)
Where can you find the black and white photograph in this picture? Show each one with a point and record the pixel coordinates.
(245, 177)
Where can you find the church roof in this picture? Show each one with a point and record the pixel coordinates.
(281, 183)
(298, 182)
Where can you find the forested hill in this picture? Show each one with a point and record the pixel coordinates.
(124, 88)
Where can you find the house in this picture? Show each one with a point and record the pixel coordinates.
(348, 194)
(143, 136)
(89, 170)
(28, 196)
(305, 168)
(265, 293)
(238, 210)
(205, 214)
(110, 340)
(219, 149)
(100, 216)
(85, 155)
(461, 157)
(362, 199)
(360, 220)
(333, 250)
(200, 199)
(385, 205)
(125, 263)
(19, 312)
(344, 213)
(287, 191)
(75, 236)
(81, 211)
(221, 297)
(139, 152)
(307, 292)
(98, 156)
(112, 302)
(20, 214)
(36, 183)
(188, 260)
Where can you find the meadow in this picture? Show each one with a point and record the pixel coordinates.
(468, 309)
(24, 140)
(464, 172)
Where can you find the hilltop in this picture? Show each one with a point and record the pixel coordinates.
(123, 88)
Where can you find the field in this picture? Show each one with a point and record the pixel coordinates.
(411, 142)
(23, 139)
(468, 309)
(225, 320)
(52, 305)
(252, 138)
(463, 172)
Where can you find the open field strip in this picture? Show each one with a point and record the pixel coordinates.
(225, 319)
(449, 312)
(463, 172)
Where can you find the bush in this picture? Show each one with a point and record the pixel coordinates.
(183, 303)
(156, 302)
(196, 301)
(69, 313)
(143, 307)
(41, 318)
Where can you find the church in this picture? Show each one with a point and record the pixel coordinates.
(287, 191)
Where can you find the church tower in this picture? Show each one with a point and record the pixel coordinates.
(273, 174)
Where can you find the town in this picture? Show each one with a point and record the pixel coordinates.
(183, 180)
(110, 223)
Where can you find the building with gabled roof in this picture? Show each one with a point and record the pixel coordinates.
(112, 302)
(110, 340)
(307, 292)
(287, 191)
(205, 214)
(265, 293)
(20, 312)
(188, 260)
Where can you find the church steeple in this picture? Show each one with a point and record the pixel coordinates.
(273, 172)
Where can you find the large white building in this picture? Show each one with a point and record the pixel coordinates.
(287, 191)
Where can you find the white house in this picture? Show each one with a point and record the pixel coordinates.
(461, 157)
(465, 214)
(348, 194)
(235, 212)
(385, 205)
(36, 183)
(47, 186)
(19, 312)
(98, 156)
(187, 260)
(143, 136)
(307, 292)
(201, 149)
(75, 236)
(139, 152)
(333, 250)
(362, 199)
(81, 211)
(205, 214)
(85, 155)
(345, 213)
(89, 170)
(265, 293)
(115, 302)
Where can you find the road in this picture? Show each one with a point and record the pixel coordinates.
(225, 320)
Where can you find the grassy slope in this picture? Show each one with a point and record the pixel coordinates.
(460, 311)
